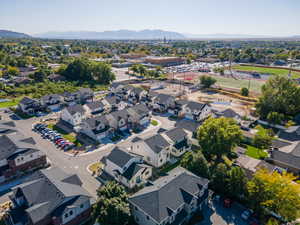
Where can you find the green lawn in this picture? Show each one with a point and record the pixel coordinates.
(168, 167)
(233, 83)
(255, 152)
(9, 104)
(272, 71)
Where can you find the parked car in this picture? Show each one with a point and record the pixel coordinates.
(246, 214)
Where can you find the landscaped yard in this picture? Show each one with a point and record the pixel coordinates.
(95, 167)
(255, 152)
(272, 71)
(154, 122)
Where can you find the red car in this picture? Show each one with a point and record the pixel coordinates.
(227, 203)
(58, 141)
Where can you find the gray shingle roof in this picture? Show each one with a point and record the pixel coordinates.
(95, 105)
(95, 121)
(189, 125)
(27, 101)
(168, 193)
(176, 134)
(73, 109)
(10, 144)
(195, 105)
(286, 158)
(157, 143)
(163, 98)
(132, 170)
(46, 190)
(119, 157)
(228, 113)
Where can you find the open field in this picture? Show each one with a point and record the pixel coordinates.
(272, 71)
(255, 85)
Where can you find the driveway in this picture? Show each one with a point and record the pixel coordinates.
(218, 215)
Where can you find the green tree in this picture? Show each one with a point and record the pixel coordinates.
(196, 163)
(207, 81)
(274, 192)
(275, 118)
(112, 206)
(12, 71)
(219, 136)
(245, 91)
(102, 73)
(263, 137)
(79, 70)
(219, 178)
(236, 183)
(280, 95)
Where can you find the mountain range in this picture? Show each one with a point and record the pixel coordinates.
(12, 34)
(136, 35)
(118, 34)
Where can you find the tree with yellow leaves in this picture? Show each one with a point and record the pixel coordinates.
(275, 192)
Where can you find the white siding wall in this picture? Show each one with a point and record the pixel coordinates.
(141, 218)
(22, 159)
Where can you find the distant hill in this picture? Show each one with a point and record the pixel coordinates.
(12, 34)
(225, 36)
(118, 34)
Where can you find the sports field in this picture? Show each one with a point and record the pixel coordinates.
(273, 71)
(255, 85)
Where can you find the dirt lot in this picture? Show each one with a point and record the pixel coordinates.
(220, 101)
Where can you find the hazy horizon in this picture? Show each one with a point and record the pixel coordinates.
(197, 17)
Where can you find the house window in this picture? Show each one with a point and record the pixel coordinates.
(148, 218)
(81, 206)
(66, 215)
(135, 208)
(71, 212)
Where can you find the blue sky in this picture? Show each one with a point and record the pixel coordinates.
(263, 17)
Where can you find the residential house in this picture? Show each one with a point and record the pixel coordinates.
(291, 133)
(126, 168)
(111, 103)
(177, 109)
(172, 199)
(162, 102)
(84, 95)
(29, 106)
(56, 77)
(139, 116)
(97, 127)
(94, 108)
(18, 154)
(119, 120)
(196, 111)
(73, 114)
(179, 141)
(136, 94)
(251, 165)
(286, 157)
(229, 113)
(189, 126)
(52, 102)
(69, 98)
(50, 197)
(155, 150)
(7, 127)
